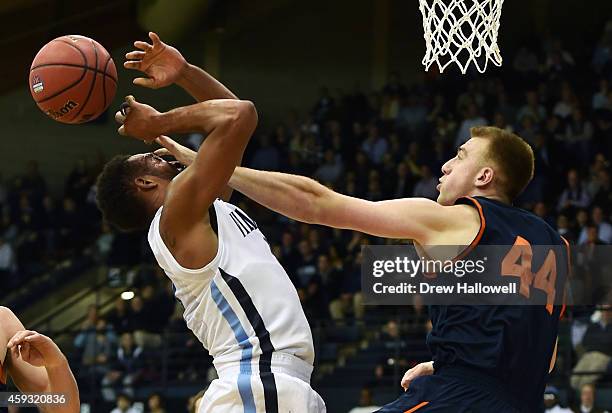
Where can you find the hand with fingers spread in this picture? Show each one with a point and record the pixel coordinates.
(140, 121)
(162, 63)
(182, 154)
(36, 349)
(423, 369)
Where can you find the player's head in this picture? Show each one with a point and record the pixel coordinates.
(493, 163)
(131, 188)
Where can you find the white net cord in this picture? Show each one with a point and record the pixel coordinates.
(461, 31)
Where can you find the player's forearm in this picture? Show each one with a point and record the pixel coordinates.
(205, 117)
(202, 86)
(294, 196)
(61, 381)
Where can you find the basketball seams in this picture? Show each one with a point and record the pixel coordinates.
(87, 68)
(93, 82)
(84, 57)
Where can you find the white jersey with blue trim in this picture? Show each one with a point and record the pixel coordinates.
(242, 306)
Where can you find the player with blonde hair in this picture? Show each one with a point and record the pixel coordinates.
(485, 358)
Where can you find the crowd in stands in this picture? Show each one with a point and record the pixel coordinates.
(38, 229)
(376, 145)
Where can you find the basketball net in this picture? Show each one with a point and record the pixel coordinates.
(461, 31)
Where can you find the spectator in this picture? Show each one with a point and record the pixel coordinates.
(159, 304)
(91, 340)
(361, 171)
(598, 352)
(602, 227)
(127, 367)
(375, 146)
(350, 301)
(426, 187)
(289, 255)
(124, 405)
(599, 164)
(582, 220)
(505, 107)
(120, 317)
(402, 184)
(574, 195)
(603, 196)
(528, 129)
(564, 228)
(314, 298)
(104, 242)
(412, 115)
(587, 400)
(267, 156)
(499, 121)
(78, 183)
(144, 324)
(331, 169)
(374, 192)
(559, 61)
(564, 108)
(471, 119)
(602, 57)
(590, 265)
(72, 226)
(306, 267)
(439, 109)
(541, 210)
(578, 136)
(532, 108)
(156, 404)
(439, 157)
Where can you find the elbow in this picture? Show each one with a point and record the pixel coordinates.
(242, 113)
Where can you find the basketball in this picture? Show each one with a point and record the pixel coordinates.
(73, 79)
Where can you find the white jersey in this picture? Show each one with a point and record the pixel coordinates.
(242, 305)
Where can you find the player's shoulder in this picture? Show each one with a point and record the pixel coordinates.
(6, 314)
(525, 222)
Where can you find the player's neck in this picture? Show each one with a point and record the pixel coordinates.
(491, 195)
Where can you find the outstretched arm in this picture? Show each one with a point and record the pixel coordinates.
(165, 65)
(304, 199)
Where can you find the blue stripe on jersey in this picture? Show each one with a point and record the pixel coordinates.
(265, 359)
(244, 378)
